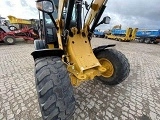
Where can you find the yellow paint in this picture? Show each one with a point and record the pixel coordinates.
(127, 36)
(59, 23)
(83, 63)
(14, 20)
(110, 36)
(93, 11)
(50, 46)
(128, 33)
(80, 52)
(134, 31)
(117, 27)
(109, 67)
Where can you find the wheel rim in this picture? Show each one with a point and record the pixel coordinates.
(109, 67)
(147, 41)
(10, 40)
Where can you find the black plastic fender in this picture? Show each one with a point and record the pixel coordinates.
(100, 48)
(47, 52)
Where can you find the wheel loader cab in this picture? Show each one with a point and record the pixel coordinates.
(50, 31)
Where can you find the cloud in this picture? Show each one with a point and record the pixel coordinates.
(8, 3)
(139, 8)
(128, 13)
(134, 13)
(130, 21)
(19, 9)
(23, 3)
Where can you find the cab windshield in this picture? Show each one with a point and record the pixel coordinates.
(55, 14)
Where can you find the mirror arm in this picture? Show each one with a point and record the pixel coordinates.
(99, 23)
(86, 5)
(54, 22)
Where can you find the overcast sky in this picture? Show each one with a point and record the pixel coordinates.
(134, 13)
(129, 13)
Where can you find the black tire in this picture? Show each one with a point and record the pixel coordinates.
(116, 39)
(103, 36)
(39, 44)
(12, 28)
(155, 42)
(9, 40)
(147, 41)
(119, 63)
(141, 40)
(121, 40)
(106, 37)
(55, 92)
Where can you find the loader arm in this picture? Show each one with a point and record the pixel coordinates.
(59, 22)
(83, 65)
(95, 12)
(74, 40)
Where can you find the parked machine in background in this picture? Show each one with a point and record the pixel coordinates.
(10, 37)
(9, 32)
(148, 36)
(117, 27)
(108, 33)
(122, 35)
(99, 33)
(133, 34)
(21, 23)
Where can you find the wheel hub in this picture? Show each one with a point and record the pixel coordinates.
(109, 67)
(10, 40)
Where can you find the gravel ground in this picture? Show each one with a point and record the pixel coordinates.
(138, 97)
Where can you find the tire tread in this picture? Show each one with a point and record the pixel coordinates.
(51, 78)
(118, 59)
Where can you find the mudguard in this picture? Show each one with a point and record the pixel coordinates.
(100, 48)
(47, 52)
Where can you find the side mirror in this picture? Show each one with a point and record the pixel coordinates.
(106, 20)
(45, 6)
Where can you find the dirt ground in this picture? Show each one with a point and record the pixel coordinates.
(138, 97)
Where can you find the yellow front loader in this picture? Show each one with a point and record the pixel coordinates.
(65, 57)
